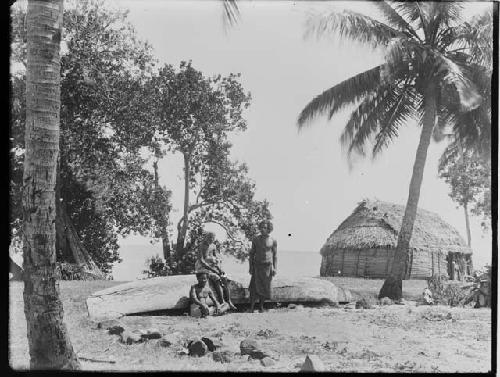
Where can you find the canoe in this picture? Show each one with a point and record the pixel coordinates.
(172, 292)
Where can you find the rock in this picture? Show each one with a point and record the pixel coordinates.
(197, 347)
(171, 292)
(116, 330)
(365, 303)
(222, 356)
(129, 337)
(265, 333)
(165, 341)
(248, 345)
(313, 363)
(151, 334)
(351, 305)
(212, 345)
(267, 362)
(259, 354)
(252, 348)
(169, 339)
(108, 323)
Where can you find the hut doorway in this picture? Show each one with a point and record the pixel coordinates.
(459, 266)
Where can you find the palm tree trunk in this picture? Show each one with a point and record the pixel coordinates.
(466, 212)
(49, 345)
(392, 287)
(467, 225)
(181, 234)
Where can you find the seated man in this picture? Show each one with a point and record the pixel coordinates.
(209, 261)
(203, 300)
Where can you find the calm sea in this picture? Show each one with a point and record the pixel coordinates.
(290, 263)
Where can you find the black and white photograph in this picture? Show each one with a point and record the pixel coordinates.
(253, 186)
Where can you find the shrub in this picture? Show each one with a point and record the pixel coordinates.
(156, 267)
(71, 271)
(366, 303)
(446, 292)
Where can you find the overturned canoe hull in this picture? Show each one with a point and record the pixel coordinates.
(172, 292)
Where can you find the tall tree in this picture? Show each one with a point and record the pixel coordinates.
(104, 186)
(225, 197)
(425, 61)
(469, 178)
(194, 112)
(49, 345)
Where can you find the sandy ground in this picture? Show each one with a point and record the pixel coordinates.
(396, 338)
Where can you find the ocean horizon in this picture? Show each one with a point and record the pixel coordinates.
(290, 263)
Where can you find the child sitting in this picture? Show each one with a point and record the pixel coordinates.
(203, 300)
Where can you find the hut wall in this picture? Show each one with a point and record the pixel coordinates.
(370, 263)
(427, 263)
(376, 263)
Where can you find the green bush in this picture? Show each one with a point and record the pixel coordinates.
(156, 267)
(71, 271)
(447, 292)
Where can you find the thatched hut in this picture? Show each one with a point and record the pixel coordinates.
(365, 243)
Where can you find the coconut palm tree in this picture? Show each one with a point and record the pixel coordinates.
(49, 345)
(427, 58)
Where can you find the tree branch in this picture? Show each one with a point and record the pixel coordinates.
(228, 231)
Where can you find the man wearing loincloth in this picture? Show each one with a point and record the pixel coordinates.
(263, 265)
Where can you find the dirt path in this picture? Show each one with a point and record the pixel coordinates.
(393, 338)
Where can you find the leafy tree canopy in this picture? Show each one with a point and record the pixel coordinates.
(103, 181)
(469, 178)
(194, 115)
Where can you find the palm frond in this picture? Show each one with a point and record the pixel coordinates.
(400, 60)
(397, 115)
(456, 76)
(395, 19)
(447, 11)
(477, 37)
(411, 11)
(352, 26)
(379, 118)
(364, 120)
(473, 128)
(231, 12)
(449, 155)
(342, 94)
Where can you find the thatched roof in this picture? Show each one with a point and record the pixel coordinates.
(375, 224)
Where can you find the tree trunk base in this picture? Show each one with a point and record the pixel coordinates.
(15, 270)
(392, 288)
(73, 256)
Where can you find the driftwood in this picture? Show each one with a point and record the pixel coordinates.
(171, 292)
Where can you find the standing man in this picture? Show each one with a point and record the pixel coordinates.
(263, 264)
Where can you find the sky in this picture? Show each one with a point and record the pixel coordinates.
(304, 175)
